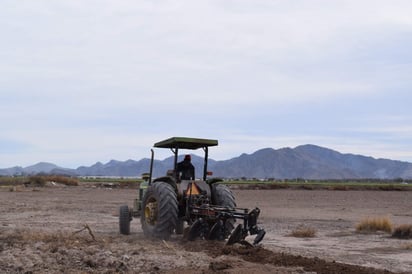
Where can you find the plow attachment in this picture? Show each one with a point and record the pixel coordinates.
(217, 223)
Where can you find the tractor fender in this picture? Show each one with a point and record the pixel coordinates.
(212, 181)
(166, 179)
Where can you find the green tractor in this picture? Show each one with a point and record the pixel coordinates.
(167, 203)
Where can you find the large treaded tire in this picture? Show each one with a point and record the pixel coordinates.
(124, 220)
(223, 196)
(159, 211)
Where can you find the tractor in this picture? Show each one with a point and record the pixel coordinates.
(165, 204)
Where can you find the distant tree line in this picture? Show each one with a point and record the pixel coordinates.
(303, 180)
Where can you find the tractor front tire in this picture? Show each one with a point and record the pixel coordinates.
(124, 220)
(223, 196)
(159, 216)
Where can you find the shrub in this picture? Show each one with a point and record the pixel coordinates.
(369, 225)
(307, 187)
(390, 188)
(128, 184)
(37, 180)
(11, 181)
(339, 187)
(303, 232)
(403, 232)
(68, 181)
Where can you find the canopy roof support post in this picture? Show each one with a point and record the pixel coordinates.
(175, 152)
(206, 149)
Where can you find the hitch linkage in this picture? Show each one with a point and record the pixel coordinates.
(215, 222)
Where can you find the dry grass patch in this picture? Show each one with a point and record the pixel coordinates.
(370, 225)
(17, 188)
(48, 241)
(54, 240)
(408, 247)
(303, 232)
(403, 232)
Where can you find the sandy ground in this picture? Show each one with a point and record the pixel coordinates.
(75, 229)
(334, 215)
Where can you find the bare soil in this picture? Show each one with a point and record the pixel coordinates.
(75, 230)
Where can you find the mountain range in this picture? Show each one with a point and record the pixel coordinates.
(306, 161)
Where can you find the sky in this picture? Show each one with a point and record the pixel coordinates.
(83, 81)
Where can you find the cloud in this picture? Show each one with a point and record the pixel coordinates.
(91, 79)
(270, 46)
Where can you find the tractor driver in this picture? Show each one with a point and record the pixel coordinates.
(185, 169)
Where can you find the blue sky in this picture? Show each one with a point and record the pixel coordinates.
(87, 81)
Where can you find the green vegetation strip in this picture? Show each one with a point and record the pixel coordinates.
(38, 180)
(109, 180)
(330, 185)
(366, 184)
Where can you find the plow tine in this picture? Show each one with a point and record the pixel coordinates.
(216, 232)
(195, 230)
(259, 237)
(239, 234)
(236, 236)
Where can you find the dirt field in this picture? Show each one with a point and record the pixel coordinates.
(75, 229)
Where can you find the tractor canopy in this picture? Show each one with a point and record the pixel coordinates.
(176, 143)
(186, 143)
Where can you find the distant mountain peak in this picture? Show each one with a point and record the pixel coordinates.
(43, 166)
(306, 161)
(264, 150)
(311, 146)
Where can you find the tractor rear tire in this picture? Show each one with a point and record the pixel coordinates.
(124, 220)
(159, 211)
(223, 196)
